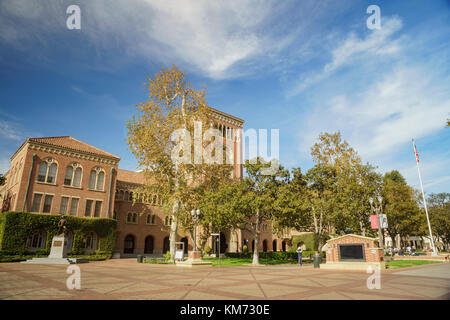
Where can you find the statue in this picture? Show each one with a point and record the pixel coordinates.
(62, 229)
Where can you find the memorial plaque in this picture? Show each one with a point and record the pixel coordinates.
(351, 252)
(57, 243)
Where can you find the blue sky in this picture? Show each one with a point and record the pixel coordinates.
(302, 67)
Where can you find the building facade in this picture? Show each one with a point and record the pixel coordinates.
(62, 175)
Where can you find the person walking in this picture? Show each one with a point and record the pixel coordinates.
(299, 251)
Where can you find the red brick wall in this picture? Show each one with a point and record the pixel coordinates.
(371, 251)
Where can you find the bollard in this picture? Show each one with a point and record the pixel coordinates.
(317, 259)
(140, 258)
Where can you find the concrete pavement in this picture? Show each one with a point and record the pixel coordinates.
(129, 280)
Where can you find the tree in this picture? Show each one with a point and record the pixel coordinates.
(331, 151)
(401, 207)
(439, 211)
(2, 179)
(448, 122)
(247, 203)
(160, 138)
(355, 186)
(321, 199)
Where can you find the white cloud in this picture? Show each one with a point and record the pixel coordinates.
(354, 49)
(211, 36)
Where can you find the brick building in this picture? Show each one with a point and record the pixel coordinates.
(62, 175)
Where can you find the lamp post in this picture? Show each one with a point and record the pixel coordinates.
(378, 209)
(195, 216)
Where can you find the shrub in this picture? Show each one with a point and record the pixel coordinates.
(208, 250)
(16, 227)
(308, 239)
(167, 256)
(270, 255)
(245, 249)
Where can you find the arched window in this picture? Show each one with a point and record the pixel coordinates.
(135, 217)
(69, 236)
(168, 221)
(129, 244)
(121, 195)
(47, 171)
(151, 218)
(89, 241)
(97, 179)
(37, 240)
(129, 217)
(73, 175)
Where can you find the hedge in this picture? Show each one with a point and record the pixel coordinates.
(16, 227)
(271, 255)
(309, 239)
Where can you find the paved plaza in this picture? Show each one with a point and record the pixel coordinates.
(129, 280)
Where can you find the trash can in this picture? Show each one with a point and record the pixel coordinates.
(140, 258)
(317, 260)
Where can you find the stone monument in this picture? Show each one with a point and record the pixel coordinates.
(194, 260)
(353, 252)
(58, 251)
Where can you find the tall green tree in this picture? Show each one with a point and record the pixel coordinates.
(160, 137)
(2, 179)
(401, 207)
(439, 211)
(355, 186)
(247, 203)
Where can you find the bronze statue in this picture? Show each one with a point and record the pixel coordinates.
(62, 229)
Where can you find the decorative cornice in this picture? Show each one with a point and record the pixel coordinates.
(126, 185)
(72, 153)
(222, 116)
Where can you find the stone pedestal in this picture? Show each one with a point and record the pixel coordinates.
(59, 247)
(194, 260)
(58, 254)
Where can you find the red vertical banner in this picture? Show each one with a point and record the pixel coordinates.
(374, 221)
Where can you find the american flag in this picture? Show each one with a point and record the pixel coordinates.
(415, 152)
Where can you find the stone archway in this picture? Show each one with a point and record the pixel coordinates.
(264, 245)
(129, 244)
(186, 244)
(274, 245)
(149, 244)
(166, 245)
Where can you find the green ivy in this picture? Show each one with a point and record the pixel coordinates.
(16, 227)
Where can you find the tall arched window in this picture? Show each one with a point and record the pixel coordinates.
(36, 240)
(47, 171)
(97, 179)
(73, 175)
(89, 241)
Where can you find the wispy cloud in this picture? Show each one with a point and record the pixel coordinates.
(353, 50)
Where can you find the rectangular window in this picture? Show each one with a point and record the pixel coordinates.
(63, 206)
(98, 208)
(36, 202)
(74, 206)
(87, 212)
(47, 203)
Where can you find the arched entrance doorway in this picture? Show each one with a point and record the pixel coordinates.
(283, 245)
(149, 244)
(128, 246)
(166, 245)
(265, 246)
(186, 243)
(253, 245)
(274, 245)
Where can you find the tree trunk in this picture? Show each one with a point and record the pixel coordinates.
(173, 229)
(363, 229)
(256, 249)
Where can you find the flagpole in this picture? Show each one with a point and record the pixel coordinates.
(424, 200)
